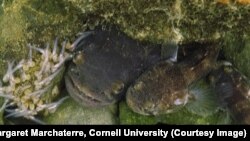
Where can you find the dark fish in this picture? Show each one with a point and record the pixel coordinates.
(104, 65)
(233, 90)
(164, 87)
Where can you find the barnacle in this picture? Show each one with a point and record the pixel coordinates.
(31, 86)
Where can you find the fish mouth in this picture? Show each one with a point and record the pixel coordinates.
(83, 94)
(138, 103)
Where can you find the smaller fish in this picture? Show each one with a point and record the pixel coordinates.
(233, 90)
(164, 88)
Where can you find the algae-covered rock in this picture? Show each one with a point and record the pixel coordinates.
(164, 20)
(183, 116)
(70, 112)
(127, 116)
(36, 22)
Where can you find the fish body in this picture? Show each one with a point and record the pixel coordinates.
(165, 87)
(233, 91)
(106, 63)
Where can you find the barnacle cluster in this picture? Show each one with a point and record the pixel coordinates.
(31, 86)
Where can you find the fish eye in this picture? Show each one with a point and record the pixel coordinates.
(75, 71)
(117, 87)
(79, 58)
(138, 86)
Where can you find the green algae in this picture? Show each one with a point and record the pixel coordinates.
(161, 21)
(35, 22)
(70, 112)
(182, 117)
(185, 117)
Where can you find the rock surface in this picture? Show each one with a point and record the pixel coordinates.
(71, 112)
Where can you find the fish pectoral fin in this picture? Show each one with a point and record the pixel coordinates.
(169, 51)
(203, 99)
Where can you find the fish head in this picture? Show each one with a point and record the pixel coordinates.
(160, 90)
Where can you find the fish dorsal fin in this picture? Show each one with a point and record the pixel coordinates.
(169, 51)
